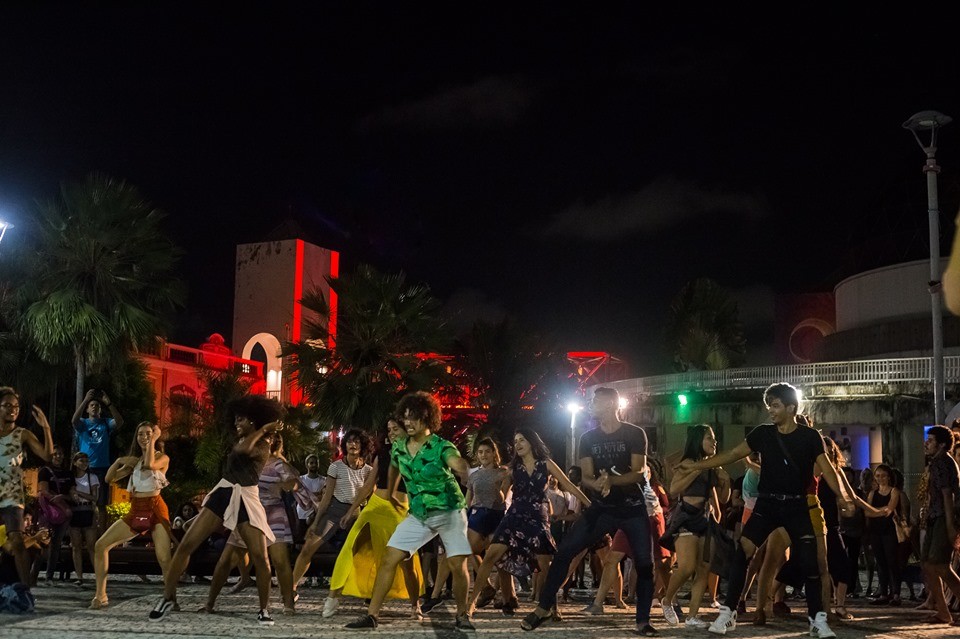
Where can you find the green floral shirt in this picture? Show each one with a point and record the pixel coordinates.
(430, 483)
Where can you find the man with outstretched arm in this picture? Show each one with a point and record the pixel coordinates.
(789, 452)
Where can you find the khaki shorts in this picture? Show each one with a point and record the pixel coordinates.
(450, 526)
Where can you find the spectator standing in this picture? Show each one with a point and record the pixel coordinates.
(54, 484)
(83, 524)
(93, 438)
(938, 520)
(309, 494)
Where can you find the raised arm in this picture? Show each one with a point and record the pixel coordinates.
(45, 450)
(120, 469)
(246, 444)
(114, 412)
(78, 414)
(152, 460)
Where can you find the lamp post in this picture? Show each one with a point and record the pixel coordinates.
(574, 408)
(924, 122)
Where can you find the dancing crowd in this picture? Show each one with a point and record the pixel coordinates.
(411, 515)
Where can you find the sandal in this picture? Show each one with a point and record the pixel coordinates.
(843, 614)
(99, 604)
(532, 621)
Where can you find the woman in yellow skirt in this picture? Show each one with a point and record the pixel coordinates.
(356, 567)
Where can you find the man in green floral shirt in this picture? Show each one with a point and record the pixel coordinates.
(427, 463)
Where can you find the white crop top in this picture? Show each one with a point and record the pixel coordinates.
(146, 481)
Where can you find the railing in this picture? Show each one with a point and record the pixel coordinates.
(874, 371)
(206, 359)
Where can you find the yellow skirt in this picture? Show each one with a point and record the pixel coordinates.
(359, 559)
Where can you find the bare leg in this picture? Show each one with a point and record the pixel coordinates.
(76, 549)
(280, 558)
(689, 551)
(220, 574)
(611, 570)
(257, 547)
(411, 581)
(461, 581)
(699, 584)
(494, 553)
(385, 576)
(202, 528)
(118, 533)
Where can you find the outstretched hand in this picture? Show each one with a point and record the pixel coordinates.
(40, 417)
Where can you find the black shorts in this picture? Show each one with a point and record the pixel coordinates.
(219, 500)
(484, 520)
(770, 514)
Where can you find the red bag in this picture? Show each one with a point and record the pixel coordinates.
(54, 511)
(140, 519)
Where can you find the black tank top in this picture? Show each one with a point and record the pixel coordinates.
(881, 525)
(383, 468)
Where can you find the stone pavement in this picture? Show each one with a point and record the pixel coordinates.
(61, 613)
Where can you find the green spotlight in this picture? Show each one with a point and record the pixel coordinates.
(682, 399)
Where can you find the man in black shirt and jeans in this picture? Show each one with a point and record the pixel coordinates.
(789, 451)
(613, 459)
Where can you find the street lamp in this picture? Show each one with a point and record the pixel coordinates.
(3, 228)
(574, 408)
(924, 122)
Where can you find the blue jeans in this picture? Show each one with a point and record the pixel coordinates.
(594, 523)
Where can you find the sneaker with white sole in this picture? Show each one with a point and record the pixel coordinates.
(819, 627)
(726, 620)
(670, 615)
(330, 606)
(695, 622)
(264, 618)
(161, 609)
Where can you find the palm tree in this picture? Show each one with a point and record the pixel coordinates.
(385, 329)
(102, 275)
(704, 329)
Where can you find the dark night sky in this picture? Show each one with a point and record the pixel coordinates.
(570, 167)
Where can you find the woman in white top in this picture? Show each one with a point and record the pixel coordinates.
(83, 523)
(146, 468)
(345, 478)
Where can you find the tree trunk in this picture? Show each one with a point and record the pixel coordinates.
(81, 377)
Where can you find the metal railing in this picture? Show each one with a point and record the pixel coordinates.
(206, 359)
(873, 371)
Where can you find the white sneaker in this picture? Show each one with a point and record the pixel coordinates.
(330, 606)
(670, 615)
(727, 620)
(695, 622)
(819, 627)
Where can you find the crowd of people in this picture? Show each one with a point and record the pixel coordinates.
(411, 517)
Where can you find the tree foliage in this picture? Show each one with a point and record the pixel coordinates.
(100, 275)
(384, 327)
(703, 328)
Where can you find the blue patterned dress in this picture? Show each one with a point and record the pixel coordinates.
(525, 529)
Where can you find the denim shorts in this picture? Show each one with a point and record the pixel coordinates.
(484, 520)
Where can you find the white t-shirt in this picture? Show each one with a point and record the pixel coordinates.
(349, 480)
(308, 495)
(85, 484)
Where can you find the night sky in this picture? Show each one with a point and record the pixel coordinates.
(571, 168)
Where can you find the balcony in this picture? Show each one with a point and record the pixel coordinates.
(824, 375)
(202, 358)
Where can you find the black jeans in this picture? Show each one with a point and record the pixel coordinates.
(57, 534)
(885, 547)
(853, 553)
(768, 515)
(597, 521)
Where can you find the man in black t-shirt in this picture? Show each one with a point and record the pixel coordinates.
(789, 451)
(613, 458)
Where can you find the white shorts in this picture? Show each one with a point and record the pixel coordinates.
(412, 533)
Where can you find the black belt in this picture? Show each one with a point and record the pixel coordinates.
(780, 497)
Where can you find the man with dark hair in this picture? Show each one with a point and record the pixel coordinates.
(789, 452)
(613, 460)
(427, 464)
(940, 522)
(93, 439)
(13, 440)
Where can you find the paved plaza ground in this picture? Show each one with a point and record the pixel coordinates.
(62, 613)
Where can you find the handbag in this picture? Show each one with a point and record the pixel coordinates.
(54, 511)
(902, 528)
(140, 518)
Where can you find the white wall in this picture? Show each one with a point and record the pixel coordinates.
(891, 292)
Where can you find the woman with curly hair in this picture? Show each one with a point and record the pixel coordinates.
(345, 477)
(234, 502)
(145, 468)
(524, 532)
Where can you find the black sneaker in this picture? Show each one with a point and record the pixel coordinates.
(264, 618)
(463, 623)
(364, 621)
(486, 596)
(161, 609)
(430, 604)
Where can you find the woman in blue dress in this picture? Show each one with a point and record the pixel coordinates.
(524, 533)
